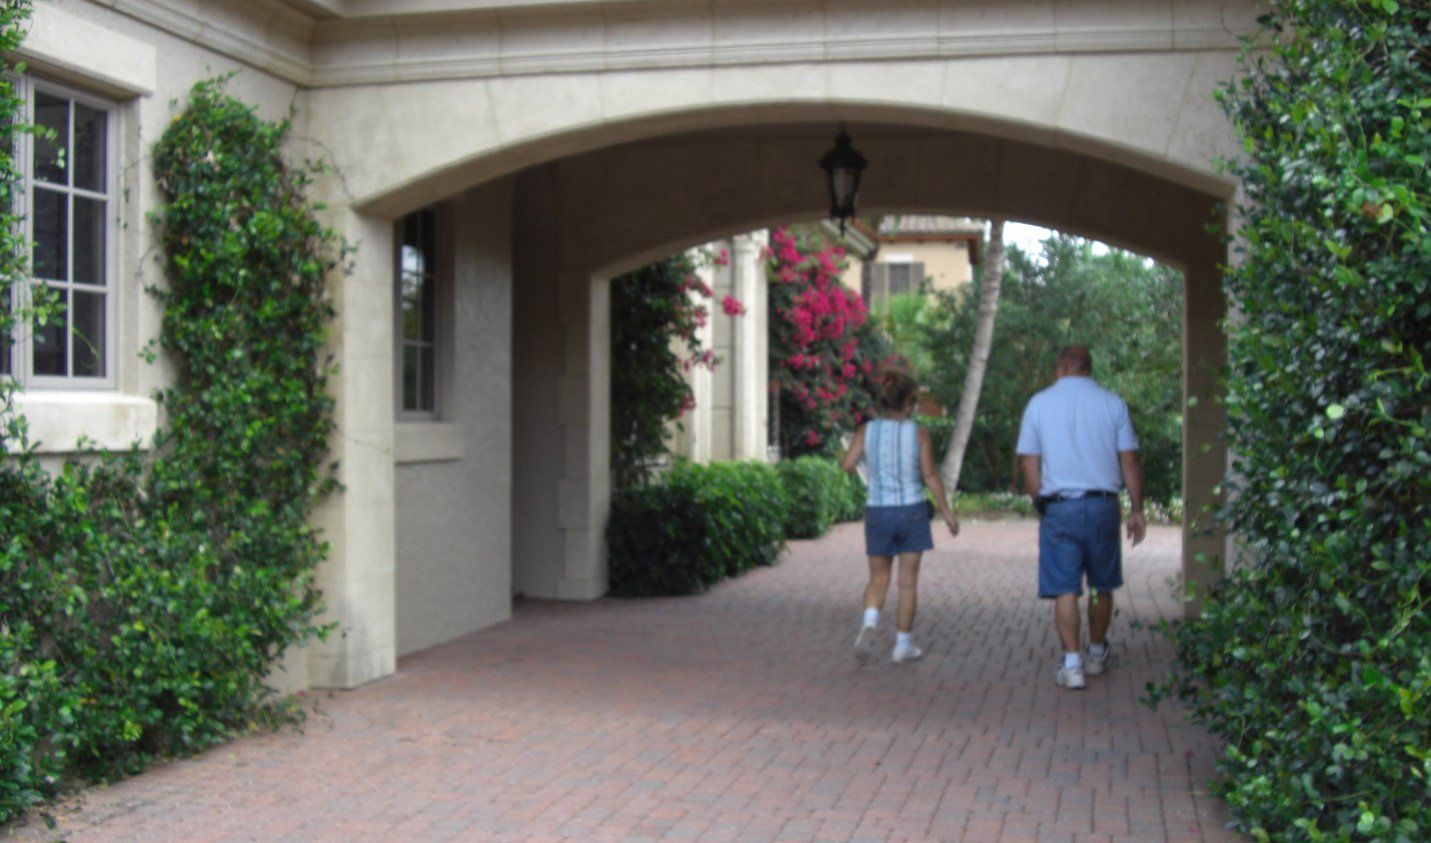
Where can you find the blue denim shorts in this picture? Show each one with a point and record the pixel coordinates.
(1077, 538)
(892, 530)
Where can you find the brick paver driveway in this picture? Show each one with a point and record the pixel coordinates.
(738, 715)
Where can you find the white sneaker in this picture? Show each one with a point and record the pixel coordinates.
(907, 653)
(1096, 664)
(1071, 678)
(865, 643)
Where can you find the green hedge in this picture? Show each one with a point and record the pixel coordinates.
(1313, 660)
(694, 526)
(817, 494)
(144, 598)
(852, 503)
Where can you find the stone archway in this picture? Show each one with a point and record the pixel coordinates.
(597, 172)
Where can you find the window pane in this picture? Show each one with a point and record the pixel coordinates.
(89, 243)
(411, 260)
(429, 310)
(88, 326)
(409, 377)
(412, 306)
(90, 133)
(52, 113)
(426, 394)
(50, 347)
(51, 229)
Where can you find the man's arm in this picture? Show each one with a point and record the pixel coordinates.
(1033, 474)
(1133, 479)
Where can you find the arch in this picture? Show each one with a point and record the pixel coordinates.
(616, 168)
(591, 216)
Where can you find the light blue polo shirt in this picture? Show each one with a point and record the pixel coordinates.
(1077, 428)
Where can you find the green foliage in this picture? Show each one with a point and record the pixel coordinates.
(654, 317)
(144, 600)
(694, 526)
(985, 502)
(852, 502)
(1313, 661)
(817, 494)
(1126, 309)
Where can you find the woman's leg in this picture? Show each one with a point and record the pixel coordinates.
(908, 590)
(878, 585)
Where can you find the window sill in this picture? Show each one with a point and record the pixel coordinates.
(58, 420)
(415, 442)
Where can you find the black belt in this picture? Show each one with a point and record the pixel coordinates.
(1078, 497)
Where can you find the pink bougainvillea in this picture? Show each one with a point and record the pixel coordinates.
(819, 333)
(732, 306)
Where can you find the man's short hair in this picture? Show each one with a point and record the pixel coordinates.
(1075, 358)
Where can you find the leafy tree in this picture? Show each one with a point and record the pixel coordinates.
(988, 311)
(1313, 659)
(1126, 309)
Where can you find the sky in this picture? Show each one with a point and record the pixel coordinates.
(1026, 237)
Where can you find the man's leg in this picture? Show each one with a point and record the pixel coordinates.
(1100, 615)
(1066, 621)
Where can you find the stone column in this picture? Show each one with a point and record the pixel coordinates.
(700, 421)
(584, 492)
(750, 357)
(357, 580)
(561, 405)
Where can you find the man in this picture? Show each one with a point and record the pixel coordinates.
(1076, 450)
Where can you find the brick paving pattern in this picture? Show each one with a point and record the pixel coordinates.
(739, 715)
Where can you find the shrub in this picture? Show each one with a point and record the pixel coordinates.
(144, 598)
(852, 505)
(1313, 660)
(817, 493)
(694, 526)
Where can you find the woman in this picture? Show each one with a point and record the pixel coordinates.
(897, 453)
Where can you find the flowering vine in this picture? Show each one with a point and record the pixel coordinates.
(656, 314)
(824, 353)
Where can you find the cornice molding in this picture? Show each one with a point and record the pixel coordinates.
(252, 45)
(284, 37)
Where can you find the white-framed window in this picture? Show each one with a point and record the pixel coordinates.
(417, 303)
(69, 209)
(891, 277)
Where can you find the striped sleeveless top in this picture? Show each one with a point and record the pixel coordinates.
(892, 463)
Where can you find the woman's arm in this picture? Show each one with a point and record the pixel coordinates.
(851, 460)
(932, 481)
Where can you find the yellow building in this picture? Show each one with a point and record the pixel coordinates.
(912, 248)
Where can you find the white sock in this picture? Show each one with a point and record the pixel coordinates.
(901, 640)
(871, 617)
(1072, 660)
(1097, 649)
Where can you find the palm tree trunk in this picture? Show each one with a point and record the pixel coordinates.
(978, 360)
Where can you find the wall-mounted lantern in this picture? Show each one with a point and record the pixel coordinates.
(843, 166)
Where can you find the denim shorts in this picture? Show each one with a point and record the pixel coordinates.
(1077, 538)
(892, 530)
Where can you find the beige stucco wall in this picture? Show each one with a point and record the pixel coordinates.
(453, 479)
(945, 264)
